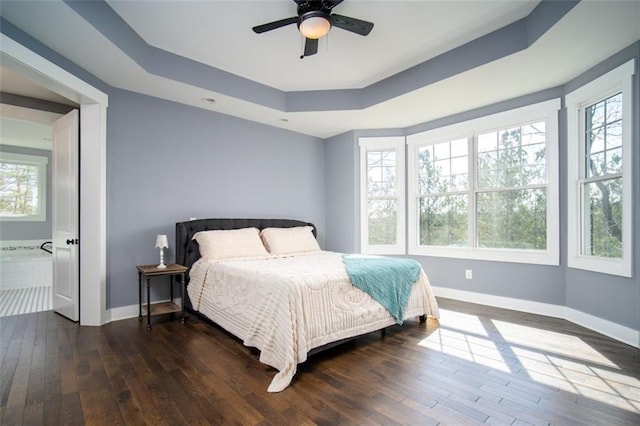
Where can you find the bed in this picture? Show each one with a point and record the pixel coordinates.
(286, 301)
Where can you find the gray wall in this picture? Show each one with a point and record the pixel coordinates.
(168, 162)
(341, 156)
(612, 298)
(17, 230)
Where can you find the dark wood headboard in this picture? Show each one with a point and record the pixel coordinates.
(187, 251)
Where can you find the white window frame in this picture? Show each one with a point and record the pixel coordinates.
(397, 144)
(615, 81)
(41, 163)
(547, 111)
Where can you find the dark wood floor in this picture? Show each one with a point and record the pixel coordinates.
(478, 365)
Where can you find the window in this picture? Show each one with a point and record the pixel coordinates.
(443, 200)
(599, 173)
(382, 195)
(22, 187)
(487, 188)
(511, 188)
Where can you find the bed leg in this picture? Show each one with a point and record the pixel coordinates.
(423, 318)
(383, 332)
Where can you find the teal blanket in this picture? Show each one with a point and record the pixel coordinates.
(387, 280)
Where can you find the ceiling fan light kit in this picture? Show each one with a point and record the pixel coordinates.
(315, 20)
(314, 24)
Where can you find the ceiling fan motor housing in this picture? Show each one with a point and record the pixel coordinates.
(324, 5)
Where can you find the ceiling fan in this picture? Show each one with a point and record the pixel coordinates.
(314, 21)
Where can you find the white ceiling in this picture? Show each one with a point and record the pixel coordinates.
(406, 33)
(12, 82)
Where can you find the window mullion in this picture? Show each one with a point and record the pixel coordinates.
(473, 179)
(510, 188)
(600, 178)
(585, 208)
(440, 194)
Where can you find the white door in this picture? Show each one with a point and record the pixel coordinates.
(66, 272)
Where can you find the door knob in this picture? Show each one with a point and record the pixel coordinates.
(72, 241)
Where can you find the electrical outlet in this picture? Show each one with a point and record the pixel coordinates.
(468, 274)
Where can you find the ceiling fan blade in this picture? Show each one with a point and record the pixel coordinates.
(310, 47)
(275, 24)
(354, 25)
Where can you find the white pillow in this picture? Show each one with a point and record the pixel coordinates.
(298, 239)
(232, 243)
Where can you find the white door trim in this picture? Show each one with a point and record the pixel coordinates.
(93, 136)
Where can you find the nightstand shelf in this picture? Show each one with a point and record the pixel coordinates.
(145, 273)
(162, 308)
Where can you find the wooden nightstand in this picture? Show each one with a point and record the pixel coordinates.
(149, 271)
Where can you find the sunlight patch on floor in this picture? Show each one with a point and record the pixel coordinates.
(468, 347)
(581, 378)
(557, 360)
(463, 322)
(598, 390)
(551, 341)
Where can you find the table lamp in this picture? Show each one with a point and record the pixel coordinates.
(162, 243)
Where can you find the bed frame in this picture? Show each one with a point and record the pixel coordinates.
(187, 251)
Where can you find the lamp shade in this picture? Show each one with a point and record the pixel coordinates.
(314, 25)
(162, 241)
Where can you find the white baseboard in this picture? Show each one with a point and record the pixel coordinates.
(131, 311)
(615, 331)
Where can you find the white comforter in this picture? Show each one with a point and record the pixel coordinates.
(286, 306)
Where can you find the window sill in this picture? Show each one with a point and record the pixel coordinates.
(602, 265)
(22, 219)
(493, 255)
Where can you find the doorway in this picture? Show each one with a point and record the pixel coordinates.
(26, 262)
(93, 104)
(38, 209)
